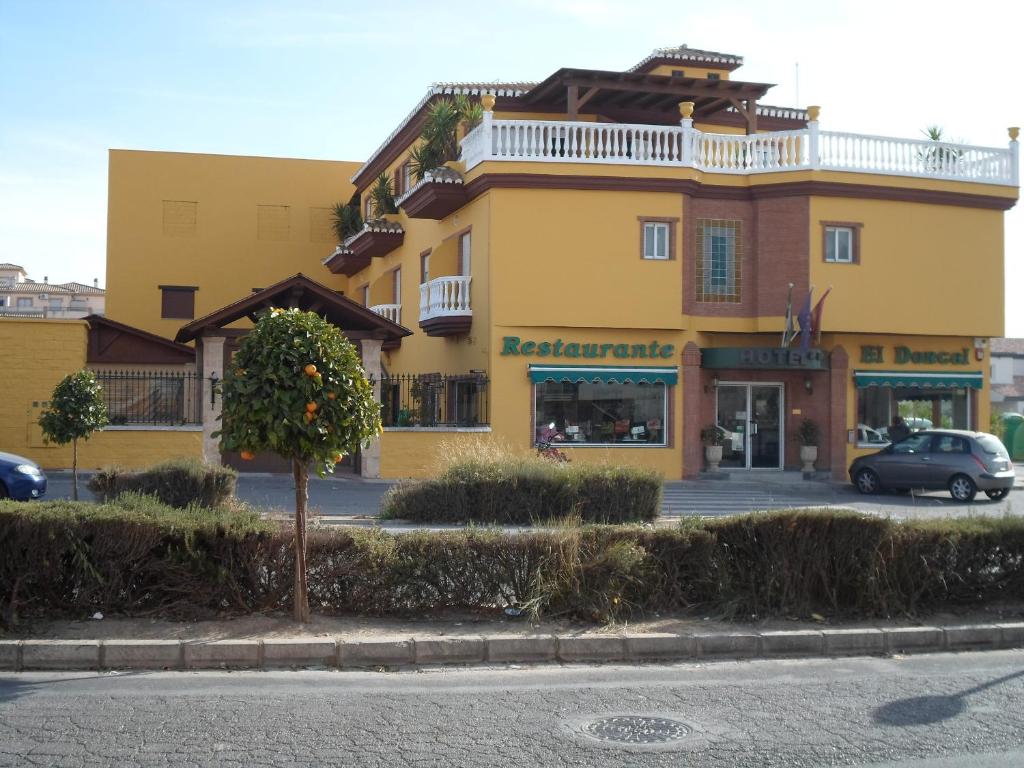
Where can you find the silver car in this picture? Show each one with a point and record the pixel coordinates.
(961, 461)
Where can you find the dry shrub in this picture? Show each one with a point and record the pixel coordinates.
(177, 483)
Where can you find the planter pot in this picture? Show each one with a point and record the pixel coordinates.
(713, 455)
(808, 455)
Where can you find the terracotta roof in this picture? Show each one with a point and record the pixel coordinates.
(1007, 346)
(83, 288)
(683, 53)
(7, 266)
(30, 286)
(443, 175)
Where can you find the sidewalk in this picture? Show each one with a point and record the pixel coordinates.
(192, 646)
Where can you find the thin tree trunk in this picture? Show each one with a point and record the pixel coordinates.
(301, 474)
(74, 470)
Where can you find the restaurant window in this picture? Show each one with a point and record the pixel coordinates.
(719, 252)
(841, 244)
(656, 240)
(601, 413)
(920, 408)
(178, 302)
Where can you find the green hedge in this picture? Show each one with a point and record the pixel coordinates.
(522, 491)
(178, 483)
(137, 557)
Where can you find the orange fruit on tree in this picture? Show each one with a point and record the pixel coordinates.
(246, 455)
(310, 370)
(309, 417)
(331, 395)
(338, 458)
(311, 407)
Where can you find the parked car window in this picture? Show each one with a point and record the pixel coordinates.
(914, 444)
(950, 444)
(990, 444)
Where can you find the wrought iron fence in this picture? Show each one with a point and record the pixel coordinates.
(434, 400)
(164, 398)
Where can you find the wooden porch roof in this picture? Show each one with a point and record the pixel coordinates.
(638, 97)
(301, 292)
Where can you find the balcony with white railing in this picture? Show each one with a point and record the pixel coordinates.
(683, 146)
(392, 312)
(444, 306)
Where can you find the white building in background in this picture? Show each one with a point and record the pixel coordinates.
(22, 297)
(1007, 357)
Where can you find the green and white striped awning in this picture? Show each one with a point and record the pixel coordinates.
(604, 373)
(930, 379)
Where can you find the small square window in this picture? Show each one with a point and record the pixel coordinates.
(657, 241)
(678, 73)
(840, 244)
(714, 76)
(178, 302)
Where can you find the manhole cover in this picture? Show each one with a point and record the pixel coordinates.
(636, 729)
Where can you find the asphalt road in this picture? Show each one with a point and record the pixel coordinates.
(919, 712)
(345, 496)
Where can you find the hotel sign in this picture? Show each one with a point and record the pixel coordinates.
(764, 358)
(905, 355)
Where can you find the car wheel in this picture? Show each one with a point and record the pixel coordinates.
(999, 493)
(867, 481)
(962, 488)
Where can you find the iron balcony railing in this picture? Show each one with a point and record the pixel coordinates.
(434, 400)
(159, 398)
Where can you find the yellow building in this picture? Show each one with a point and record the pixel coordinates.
(609, 262)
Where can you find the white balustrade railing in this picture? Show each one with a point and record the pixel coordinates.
(392, 312)
(560, 141)
(445, 297)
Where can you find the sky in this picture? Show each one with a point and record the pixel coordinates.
(330, 80)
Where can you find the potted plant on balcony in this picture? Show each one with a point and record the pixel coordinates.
(808, 435)
(712, 436)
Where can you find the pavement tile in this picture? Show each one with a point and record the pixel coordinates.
(854, 642)
(910, 639)
(979, 636)
(222, 654)
(520, 648)
(660, 645)
(286, 652)
(591, 647)
(9, 650)
(799, 642)
(373, 653)
(142, 654)
(731, 645)
(449, 650)
(60, 654)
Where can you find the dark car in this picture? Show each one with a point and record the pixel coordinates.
(20, 479)
(962, 462)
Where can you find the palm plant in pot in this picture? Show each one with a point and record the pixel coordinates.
(808, 435)
(712, 436)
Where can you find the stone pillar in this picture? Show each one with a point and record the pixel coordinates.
(212, 355)
(370, 457)
(693, 450)
(839, 380)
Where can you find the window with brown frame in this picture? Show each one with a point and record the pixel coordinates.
(178, 302)
(424, 267)
(719, 261)
(657, 238)
(840, 242)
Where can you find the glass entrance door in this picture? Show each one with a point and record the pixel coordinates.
(749, 418)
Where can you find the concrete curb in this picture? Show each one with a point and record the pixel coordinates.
(20, 655)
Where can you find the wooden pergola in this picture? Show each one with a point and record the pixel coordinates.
(638, 97)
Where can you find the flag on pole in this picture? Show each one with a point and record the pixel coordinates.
(804, 319)
(787, 330)
(816, 316)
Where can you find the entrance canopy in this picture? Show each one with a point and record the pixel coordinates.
(300, 292)
(606, 374)
(932, 379)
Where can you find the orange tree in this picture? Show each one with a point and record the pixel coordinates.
(298, 389)
(76, 410)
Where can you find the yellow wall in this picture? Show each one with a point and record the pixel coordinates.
(688, 70)
(224, 257)
(407, 453)
(916, 262)
(38, 354)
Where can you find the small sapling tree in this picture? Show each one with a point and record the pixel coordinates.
(76, 410)
(297, 389)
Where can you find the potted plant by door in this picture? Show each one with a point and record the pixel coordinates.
(808, 435)
(712, 437)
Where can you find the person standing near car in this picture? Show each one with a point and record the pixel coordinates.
(898, 430)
